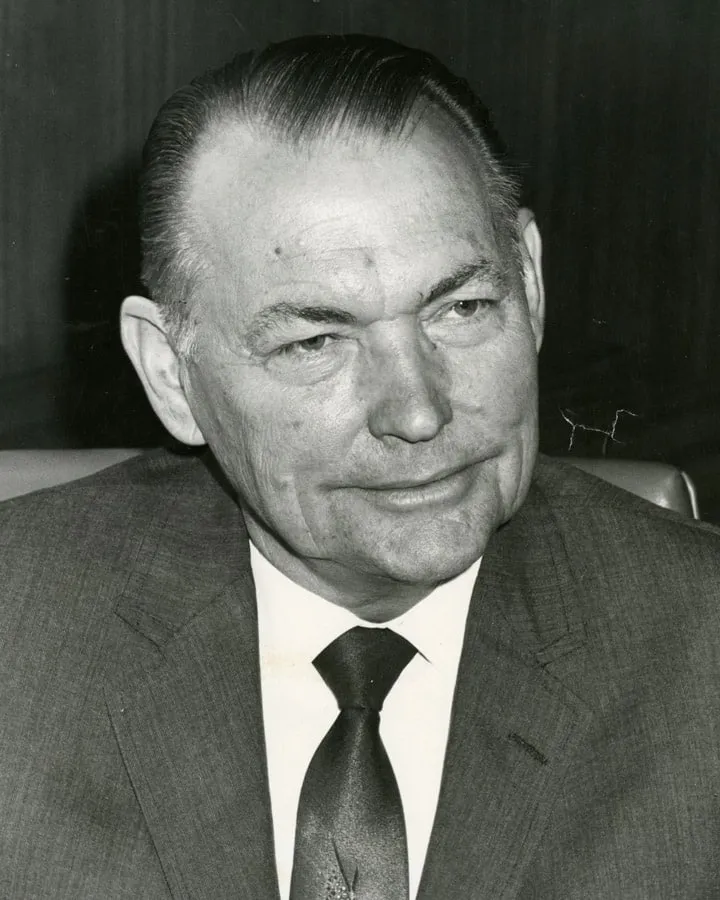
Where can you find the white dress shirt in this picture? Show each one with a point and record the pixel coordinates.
(299, 708)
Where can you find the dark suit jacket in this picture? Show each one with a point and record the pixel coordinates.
(584, 752)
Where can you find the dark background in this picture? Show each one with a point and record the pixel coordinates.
(611, 109)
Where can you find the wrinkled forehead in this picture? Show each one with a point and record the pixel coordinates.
(327, 215)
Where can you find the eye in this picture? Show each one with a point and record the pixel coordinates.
(316, 342)
(468, 308)
(306, 346)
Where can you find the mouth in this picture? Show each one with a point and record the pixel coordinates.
(444, 487)
(409, 483)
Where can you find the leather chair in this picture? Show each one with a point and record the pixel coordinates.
(660, 483)
(23, 471)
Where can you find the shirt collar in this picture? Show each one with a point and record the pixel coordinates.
(295, 624)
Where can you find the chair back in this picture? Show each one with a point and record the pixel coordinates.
(23, 471)
(660, 483)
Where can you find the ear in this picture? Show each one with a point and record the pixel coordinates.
(531, 245)
(144, 337)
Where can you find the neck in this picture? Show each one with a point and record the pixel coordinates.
(370, 596)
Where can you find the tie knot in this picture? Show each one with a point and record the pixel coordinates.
(363, 664)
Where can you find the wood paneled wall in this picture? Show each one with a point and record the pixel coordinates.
(80, 86)
(610, 107)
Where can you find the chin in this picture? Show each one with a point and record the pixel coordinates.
(431, 560)
(427, 572)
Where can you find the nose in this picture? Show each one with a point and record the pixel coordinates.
(410, 391)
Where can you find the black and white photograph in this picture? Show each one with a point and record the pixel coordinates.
(360, 450)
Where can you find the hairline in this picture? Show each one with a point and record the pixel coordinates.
(189, 251)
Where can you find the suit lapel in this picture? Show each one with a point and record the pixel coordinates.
(187, 715)
(186, 705)
(514, 727)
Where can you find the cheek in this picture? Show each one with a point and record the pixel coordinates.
(317, 428)
(289, 445)
(498, 382)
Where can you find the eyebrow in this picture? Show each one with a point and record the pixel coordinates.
(285, 312)
(484, 269)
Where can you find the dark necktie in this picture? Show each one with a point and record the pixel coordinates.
(350, 841)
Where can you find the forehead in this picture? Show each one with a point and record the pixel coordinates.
(371, 216)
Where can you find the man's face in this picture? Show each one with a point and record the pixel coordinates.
(366, 359)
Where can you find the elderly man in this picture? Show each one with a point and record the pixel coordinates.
(377, 652)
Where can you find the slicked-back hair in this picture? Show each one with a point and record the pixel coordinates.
(302, 91)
